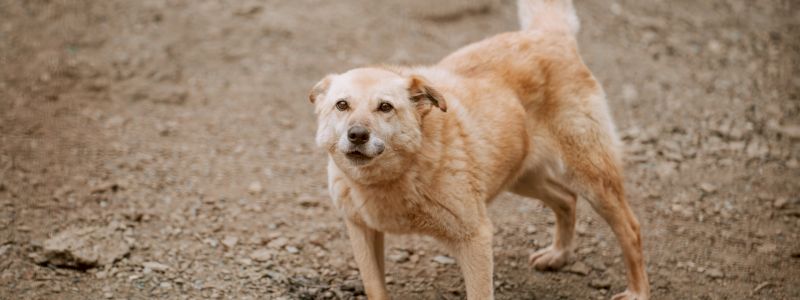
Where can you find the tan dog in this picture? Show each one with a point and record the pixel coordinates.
(424, 150)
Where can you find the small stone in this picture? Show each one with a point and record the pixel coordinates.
(155, 266)
(353, 286)
(292, 249)
(530, 229)
(278, 243)
(665, 169)
(399, 256)
(108, 295)
(83, 248)
(707, 188)
(275, 275)
(791, 131)
(261, 255)
(793, 163)
(586, 250)
(714, 273)
(714, 46)
(581, 229)
(255, 188)
(600, 283)
(230, 241)
(308, 201)
(595, 263)
(629, 92)
(414, 258)
(211, 242)
(165, 285)
(579, 268)
(767, 248)
(616, 9)
(245, 261)
(444, 260)
(780, 203)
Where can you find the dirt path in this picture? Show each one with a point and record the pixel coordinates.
(178, 134)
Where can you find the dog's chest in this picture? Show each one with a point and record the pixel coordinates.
(390, 213)
(397, 213)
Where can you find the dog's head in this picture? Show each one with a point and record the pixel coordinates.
(370, 120)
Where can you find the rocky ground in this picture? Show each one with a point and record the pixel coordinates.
(164, 149)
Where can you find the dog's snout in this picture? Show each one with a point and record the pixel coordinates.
(358, 135)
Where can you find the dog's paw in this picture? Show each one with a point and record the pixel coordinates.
(549, 259)
(628, 295)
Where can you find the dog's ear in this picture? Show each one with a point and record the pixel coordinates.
(425, 96)
(320, 88)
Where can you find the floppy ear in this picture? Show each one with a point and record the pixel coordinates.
(423, 95)
(320, 88)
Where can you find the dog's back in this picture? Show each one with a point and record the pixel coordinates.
(541, 66)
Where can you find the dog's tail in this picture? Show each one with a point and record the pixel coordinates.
(548, 15)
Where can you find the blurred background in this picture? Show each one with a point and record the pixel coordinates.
(164, 149)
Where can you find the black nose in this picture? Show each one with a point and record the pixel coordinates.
(358, 135)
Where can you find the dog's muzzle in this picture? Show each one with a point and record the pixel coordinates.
(360, 146)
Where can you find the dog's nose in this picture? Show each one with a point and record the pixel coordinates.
(358, 135)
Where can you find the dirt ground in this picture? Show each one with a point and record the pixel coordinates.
(172, 143)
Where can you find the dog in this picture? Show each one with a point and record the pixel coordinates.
(424, 150)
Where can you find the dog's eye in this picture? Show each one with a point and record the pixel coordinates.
(342, 105)
(385, 107)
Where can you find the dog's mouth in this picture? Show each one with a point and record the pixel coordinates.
(358, 157)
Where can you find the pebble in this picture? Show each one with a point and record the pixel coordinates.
(155, 266)
(101, 274)
(83, 247)
(355, 286)
(308, 201)
(278, 243)
(714, 46)
(707, 188)
(600, 283)
(595, 263)
(791, 131)
(399, 256)
(255, 188)
(444, 260)
(292, 249)
(245, 261)
(579, 268)
(616, 9)
(230, 241)
(780, 203)
(715, 273)
(793, 163)
(629, 92)
(261, 255)
(767, 248)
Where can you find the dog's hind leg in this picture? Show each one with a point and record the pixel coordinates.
(563, 202)
(595, 173)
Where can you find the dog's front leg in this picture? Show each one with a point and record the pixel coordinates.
(368, 250)
(474, 255)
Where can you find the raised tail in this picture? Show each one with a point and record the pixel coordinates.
(548, 15)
